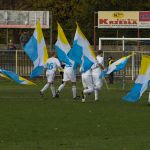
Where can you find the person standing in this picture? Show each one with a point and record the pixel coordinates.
(24, 38)
(111, 75)
(51, 65)
(11, 55)
(11, 46)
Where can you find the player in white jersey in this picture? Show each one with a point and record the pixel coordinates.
(87, 82)
(96, 71)
(69, 75)
(51, 66)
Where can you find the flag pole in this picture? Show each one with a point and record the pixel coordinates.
(106, 83)
(123, 76)
(149, 99)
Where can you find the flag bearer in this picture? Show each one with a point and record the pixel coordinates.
(51, 66)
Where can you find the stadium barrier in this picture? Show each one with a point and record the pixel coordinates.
(19, 62)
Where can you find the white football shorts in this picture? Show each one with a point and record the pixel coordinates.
(87, 81)
(69, 74)
(50, 76)
(96, 80)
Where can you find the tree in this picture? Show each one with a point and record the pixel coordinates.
(67, 12)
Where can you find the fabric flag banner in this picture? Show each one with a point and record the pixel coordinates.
(3, 76)
(11, 75)
(36, 49)
(82, 52)
(142, 81)
(116, 66)
(62, 46)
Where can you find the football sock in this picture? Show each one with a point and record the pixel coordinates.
(61, 87)
(45, 87)
(74, 93)
(96, 94)
(53, 90)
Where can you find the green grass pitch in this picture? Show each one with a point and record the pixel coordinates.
(29, 122)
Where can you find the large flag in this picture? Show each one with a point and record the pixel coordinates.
(4, 76)
(62, 46)
(142, 81)
(36, 49)
(13, 76)
(116, 66)
(82, 52)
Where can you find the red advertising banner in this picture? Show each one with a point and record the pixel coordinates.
(144, 16)
(144, 19)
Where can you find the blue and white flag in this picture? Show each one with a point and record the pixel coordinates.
(82, 52)
(36, 49)
(13, 76)
(62, 46)
(116, 66)
(142, 81)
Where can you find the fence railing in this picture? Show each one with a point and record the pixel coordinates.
(16, 61)
(19, 62)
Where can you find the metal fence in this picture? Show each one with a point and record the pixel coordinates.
(16, 61)
(19, 62)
